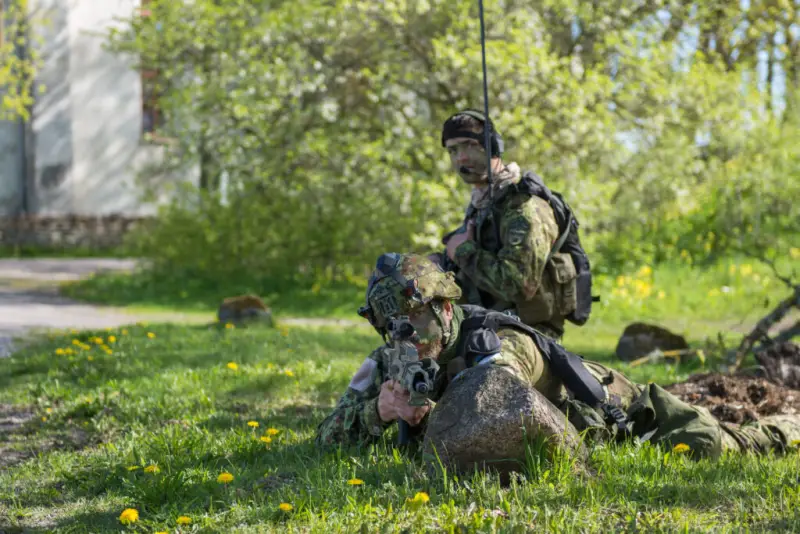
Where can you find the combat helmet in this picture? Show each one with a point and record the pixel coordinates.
(402, 283)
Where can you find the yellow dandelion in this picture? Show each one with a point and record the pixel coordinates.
(225, 478)
(124, 331)
(273, 431)
(184, 520)
(661, 295)
(230, 325)
(60, 352)
(645, 270)
(132, 467)
(162, 532)
(746, 269)
(621, 281)
(90, 358)
(680, 448)
(128, 516)
(420, 498)
(285, 507)
(233, 366)
(289, 372)
(49, 410)
(152, 469)
(151, 335)
(266, 439)
(44, 419)
(684, 253)
(252, 424)
(112, 339)
(69, 351)
(355, 481)
(76, 342)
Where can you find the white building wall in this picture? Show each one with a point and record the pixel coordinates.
(105, 97)
(51, 177)
(85, 143)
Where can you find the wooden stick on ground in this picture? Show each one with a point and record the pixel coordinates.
(762, 327)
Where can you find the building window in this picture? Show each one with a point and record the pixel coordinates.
(152, 119)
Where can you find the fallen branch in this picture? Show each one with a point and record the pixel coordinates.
(658, 354)
(759, 333)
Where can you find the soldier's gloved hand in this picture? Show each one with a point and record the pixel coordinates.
(393, 404)
(454, 242)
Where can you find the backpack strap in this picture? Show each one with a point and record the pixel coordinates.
(566, 365)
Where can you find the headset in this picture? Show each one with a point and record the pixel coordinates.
(495, 140)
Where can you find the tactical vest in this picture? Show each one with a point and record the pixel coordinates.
(478, 339)
(566, 286)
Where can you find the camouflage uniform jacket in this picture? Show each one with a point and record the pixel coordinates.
(503, 267)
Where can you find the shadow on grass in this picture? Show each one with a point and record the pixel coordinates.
(187, 480)
(287, 296)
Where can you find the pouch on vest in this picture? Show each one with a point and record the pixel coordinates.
(565, 277)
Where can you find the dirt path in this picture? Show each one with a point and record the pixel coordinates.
(30, 301)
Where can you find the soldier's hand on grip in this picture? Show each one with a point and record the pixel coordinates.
(393, 404)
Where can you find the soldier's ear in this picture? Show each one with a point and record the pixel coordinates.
(447, 308)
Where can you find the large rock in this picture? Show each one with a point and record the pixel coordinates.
(486, 418)
(640, 339)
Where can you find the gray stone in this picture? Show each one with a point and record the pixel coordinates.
(486, 419)
(640, 339)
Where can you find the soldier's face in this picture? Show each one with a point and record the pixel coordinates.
(429, 330)
(468, 159)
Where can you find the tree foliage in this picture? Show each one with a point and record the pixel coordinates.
(18, 61)
(316, 124)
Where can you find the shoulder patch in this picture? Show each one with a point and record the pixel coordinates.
(362, 379)
(518, 231)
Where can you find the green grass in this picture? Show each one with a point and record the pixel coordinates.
(172, 401)
(287, 297)
(717, 297)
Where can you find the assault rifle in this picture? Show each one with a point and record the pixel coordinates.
(415, 375)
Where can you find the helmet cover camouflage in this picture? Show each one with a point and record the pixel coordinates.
(402, 283)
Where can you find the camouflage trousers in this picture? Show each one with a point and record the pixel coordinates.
(659, 416)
